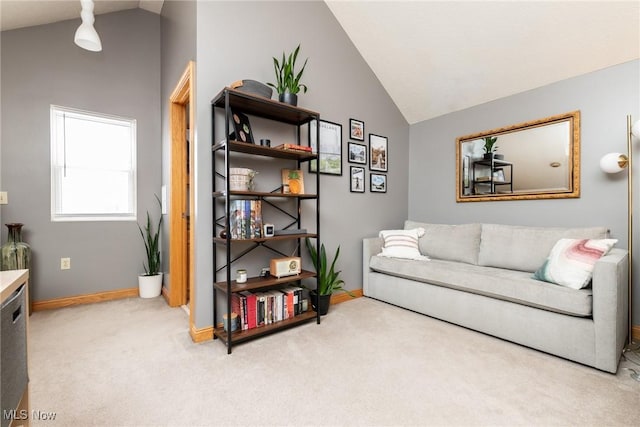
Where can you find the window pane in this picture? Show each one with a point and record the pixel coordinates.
(93, 166)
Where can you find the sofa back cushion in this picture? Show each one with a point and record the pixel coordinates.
(526, 248)
(449, 242)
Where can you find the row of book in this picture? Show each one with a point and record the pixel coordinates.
(294, 147)
(246, 219)
(255, 309)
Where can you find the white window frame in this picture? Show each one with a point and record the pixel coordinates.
(57, 169)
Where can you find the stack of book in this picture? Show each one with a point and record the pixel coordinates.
(257, 309)
(294, 147)
(246, 219)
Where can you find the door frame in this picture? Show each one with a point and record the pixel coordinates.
(182, 272)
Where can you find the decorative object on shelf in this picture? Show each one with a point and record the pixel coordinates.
(357, 179)
(241, 275)
(378, 156)
(356, 129)
(357, 153)
(253, 87)
(241, 179)
(328, 280)
(287, 81)
(498, 175)
(150, 283)
(292, 181)
(242, 128)
(329, 150)
(378, 183)
(86, 35)
(614, 163)
(268, 230)
(265, 142)
(16, 254)
(234, 321)
(294, 147)
(284, 267)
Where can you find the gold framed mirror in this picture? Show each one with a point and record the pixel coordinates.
(539, 159)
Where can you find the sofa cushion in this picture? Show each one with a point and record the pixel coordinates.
(401, 243)
(509, 285)
(571, 261)
(449, 242)
(526, 248)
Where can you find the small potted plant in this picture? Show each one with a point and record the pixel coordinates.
(328, 280)
(287, 80)
(490, 148)
(150, 283)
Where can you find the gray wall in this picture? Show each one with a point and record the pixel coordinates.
(41, 66)
(341, 86)
(604, 98)
(178, 32)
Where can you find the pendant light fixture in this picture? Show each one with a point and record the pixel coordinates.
(86, 36)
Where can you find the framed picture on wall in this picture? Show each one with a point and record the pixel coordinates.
(356, 129)
(378, 156)
(357, 153)
(378, 183)
(329, 150)
(357, 179)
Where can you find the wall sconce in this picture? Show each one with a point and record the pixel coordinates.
(613, 163)
(86, 36)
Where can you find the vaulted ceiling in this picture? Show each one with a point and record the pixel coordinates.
(436, 57)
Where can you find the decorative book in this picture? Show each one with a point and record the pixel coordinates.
(292, 181)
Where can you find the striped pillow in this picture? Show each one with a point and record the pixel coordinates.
(571, 261)
(402, 243)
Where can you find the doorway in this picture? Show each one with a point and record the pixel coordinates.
(181, 129)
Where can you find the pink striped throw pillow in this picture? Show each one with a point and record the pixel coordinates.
(402, 243)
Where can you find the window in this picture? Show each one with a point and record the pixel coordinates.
(93, 166)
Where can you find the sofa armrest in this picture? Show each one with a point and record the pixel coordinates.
(610, 307)
(370, 246)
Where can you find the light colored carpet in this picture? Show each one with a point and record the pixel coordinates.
(132, 363)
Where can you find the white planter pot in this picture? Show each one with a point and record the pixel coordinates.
(150, 286)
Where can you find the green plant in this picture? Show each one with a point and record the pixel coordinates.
(286, 78)
(328, 279)
(489, 144)
(151, 240)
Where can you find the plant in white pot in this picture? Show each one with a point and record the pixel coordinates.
(150, 283)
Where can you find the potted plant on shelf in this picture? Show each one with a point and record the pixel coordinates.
(287, 80)
(150, 283)
(328, 280)
(490, 148)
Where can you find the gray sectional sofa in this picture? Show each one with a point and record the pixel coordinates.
(480, 276)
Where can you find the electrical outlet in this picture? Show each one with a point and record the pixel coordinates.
(65, 263)
(4, 198)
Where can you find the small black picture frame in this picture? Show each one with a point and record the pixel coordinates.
(356, 182)
(357, 153)
(356, 129)
(378, 155)
(377, 183)
(241, 127)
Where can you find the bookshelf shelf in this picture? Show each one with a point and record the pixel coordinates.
(243, 295)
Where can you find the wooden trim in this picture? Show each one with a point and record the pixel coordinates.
(635, 332)
(201, 335)
(85, 299)
(343, 296)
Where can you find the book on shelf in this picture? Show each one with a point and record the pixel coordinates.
(292, 181)
(255, 309)
(246, 219)
(293, 147)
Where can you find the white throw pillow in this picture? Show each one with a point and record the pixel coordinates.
(571, 261)
(402, 244)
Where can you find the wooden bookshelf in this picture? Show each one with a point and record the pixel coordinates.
(239, 336)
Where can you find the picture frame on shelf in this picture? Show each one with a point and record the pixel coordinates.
(329, 150)
(241, 127)
(357, 153)
(356, 129)
(498, 175)
(378, 154)
(356, 183)
(377, 183)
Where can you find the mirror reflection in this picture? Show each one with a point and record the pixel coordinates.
(532, 160)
